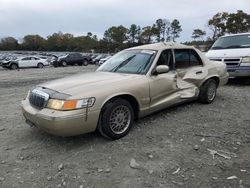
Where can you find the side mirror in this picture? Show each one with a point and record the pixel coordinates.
(160, 69)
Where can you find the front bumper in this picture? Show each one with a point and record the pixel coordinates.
(240, 71)
(61, 123)
(5, 65)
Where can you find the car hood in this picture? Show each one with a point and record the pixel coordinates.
(87, 83)
(228, 53)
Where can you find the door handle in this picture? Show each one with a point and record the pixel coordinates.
(199, 72)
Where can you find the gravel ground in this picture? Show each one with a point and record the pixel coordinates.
(172, 148)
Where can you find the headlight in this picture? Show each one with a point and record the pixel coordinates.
(245, 61)
(70, 104)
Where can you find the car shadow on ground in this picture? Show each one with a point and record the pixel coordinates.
(238, 82)
(79, 141)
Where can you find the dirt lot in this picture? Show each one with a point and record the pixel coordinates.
(173, 148)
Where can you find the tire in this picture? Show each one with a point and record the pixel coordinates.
(208, 92)
(117, 117)
(85, 62)
(13, 66)
(40, 65)
(64, 63)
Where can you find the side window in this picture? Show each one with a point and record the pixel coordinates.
(195, 59)
(166, 58)
(26, 58)
(185, 58)
(181, 58)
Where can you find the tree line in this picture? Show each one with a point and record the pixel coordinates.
(119, 37)
(220, 24)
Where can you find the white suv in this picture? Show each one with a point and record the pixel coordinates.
(234, 51)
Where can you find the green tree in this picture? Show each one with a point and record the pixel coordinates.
(33, 42)
(9, 43)
(198, 34)
(147, 34)
(161, 26)
(116, 34)
(60, 42)
(238, 22)
(134, 34)
(217, 24)
(115, 37)
(175, 29)
(54, 42)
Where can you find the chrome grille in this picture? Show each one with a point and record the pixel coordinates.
(38, 98)
(230, 62)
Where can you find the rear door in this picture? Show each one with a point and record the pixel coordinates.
(190, 71)
(78, 58)
(33, 62)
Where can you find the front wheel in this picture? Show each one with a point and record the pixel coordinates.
(13, 66)
(116, 119)
(208, 92)
(64, 63)
(39, 65)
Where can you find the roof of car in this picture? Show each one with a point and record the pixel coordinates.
(161, 46)
(238, 34)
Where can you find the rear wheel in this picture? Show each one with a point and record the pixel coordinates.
(40, 65)
(116, 119)
(208, 91)
(13, 66)
(85, 63)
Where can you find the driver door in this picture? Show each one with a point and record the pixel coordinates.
(163, 87)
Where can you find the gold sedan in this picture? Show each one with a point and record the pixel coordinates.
(133, 83)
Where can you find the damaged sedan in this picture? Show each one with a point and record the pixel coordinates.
(133, 83)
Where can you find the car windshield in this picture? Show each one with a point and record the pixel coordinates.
(129, 61)
(230, 42)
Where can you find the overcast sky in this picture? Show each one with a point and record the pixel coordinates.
(44, 17)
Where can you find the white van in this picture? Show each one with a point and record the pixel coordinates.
(234, 51)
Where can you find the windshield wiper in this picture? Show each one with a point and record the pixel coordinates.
(216, 47)
(233, 46)
(122, 64)
(141, 68)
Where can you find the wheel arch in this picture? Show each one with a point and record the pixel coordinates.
(213, 77)
(15, 64)
(128, 97)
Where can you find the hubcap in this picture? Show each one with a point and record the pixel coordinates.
(211, 92)
(120, 119)
(14, 66)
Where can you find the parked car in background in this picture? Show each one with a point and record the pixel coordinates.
(234, 51)
(133, 83)
(97, 59)
(72, 59)
(52, 59)
(25, 62)
(103, 60)
(92, 57)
